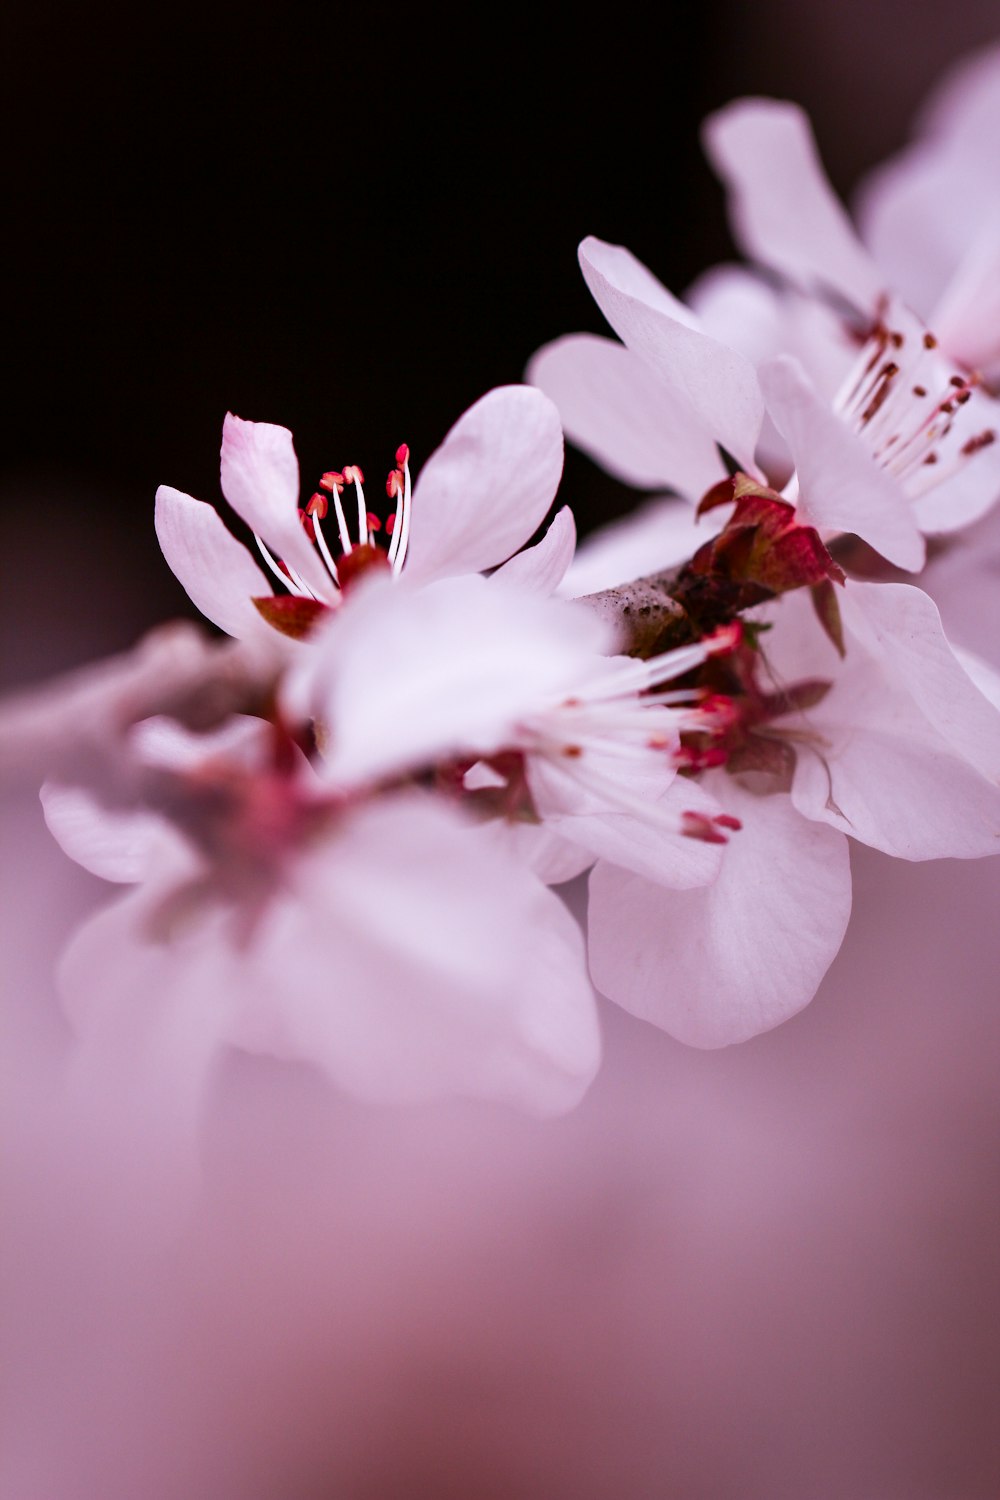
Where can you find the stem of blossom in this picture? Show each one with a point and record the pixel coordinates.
(647, 615)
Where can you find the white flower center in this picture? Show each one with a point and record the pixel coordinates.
(366, 524)
(921, 417)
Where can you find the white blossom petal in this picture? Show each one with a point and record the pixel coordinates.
(722, 963)
(405, 675)
(903, 753)
(616, 410)
(488, 487)
(260, 479)
(841, 487)
(542, 568)
(118, 846)
(782, 209)
(217, 572)
(404, 955)
(642, 844)
(707, 382)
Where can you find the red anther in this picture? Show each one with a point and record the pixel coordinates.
(726, 820)
(353, 475)
(332, 480)
(318, 505)
(307, 525)
(390, 525)
(695, 825)
(718, 706)
(374, 524)
(726, 639)
(402, 455)
(981, 440)
(394, 483)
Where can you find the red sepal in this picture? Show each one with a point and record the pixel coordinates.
(762, 543)
(827, 607)
(291, 614)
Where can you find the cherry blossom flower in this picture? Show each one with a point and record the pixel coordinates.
(820, 376)
(381, 940)
(75, 727)
(478, 499)
(931, 216)
(897, 744)
(516, 692)
(923, 379)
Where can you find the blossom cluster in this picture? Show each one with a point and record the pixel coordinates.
(341, 834)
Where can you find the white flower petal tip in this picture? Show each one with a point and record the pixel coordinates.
(711, 384)
(113, 845)
(217, 572)
(614, 411)
(721, 964)
(782, 209)
(488, 487)
(542, 568)
(841, 484)
(260, 479)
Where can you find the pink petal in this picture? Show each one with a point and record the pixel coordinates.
(537, 845)
(488, 487)
(705, 381)
(966, 318)
(405, 675)
(642, 844)
(720, 964)
(841, 488)
(416, 959)
(917, 214)
(260, 479)
(781, 207)
(217, 572)
(904, 751)
(114, 845)
(541, 568)
(615, 408)
(152, 1019)
(903, 625)
(740, 308)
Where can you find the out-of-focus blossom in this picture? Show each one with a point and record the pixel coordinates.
(383, 941)
(931, 215)
(478, 499)
(75, 728)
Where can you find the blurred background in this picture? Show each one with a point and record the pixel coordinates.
(762, 1274)
(354, 226)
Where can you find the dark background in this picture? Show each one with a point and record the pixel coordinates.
(353, 226)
